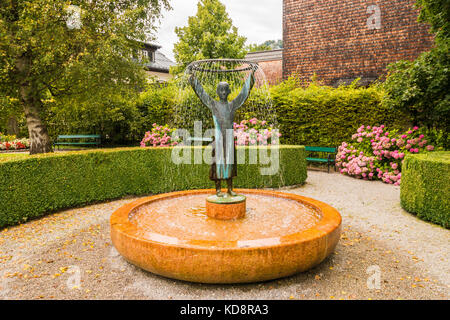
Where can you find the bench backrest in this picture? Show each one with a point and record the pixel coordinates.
(321, 149)
(88, 136)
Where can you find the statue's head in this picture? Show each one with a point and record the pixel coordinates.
(223, 91)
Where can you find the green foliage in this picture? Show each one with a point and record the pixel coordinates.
(45, 64)
(325, 116)
(37, 185)
(437, 14)
(420, 89)
(257, 47)
(114, 118)
(209, 35)
(425, 188)
(267, 45)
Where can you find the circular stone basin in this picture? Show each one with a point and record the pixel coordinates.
(280, 235)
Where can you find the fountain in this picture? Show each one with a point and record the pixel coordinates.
(237, 236)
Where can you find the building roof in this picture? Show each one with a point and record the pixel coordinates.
(269, 55)
(161, 64)
(150, 46)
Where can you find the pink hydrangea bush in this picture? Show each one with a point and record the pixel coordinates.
(160, 136)
(377, 154)
(254, 132)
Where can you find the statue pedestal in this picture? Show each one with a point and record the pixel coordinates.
(226, 208)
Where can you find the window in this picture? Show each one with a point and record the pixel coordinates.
(151, 56)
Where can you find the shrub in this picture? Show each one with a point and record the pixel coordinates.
(325, 116)
(254, 132)
(160, 136)
(7, 138)
(418, 89)
(425, 189)
(376, 153)
(34, 186)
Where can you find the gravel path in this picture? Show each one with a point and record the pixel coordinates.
(69, 255)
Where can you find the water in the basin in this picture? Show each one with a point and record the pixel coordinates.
(185, 218)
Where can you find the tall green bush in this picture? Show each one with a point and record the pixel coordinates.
(326, 116)
(34, 186)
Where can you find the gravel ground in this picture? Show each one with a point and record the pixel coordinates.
(69, 255)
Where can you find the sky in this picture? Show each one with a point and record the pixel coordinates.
(257, 20)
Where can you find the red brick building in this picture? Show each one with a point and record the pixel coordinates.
(341, 40)
(271, 62)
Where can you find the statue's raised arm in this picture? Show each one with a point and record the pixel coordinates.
(201, 93)
(245, 92)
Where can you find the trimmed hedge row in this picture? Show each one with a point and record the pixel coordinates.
(38, 185)
(325, 116)
(425, 188)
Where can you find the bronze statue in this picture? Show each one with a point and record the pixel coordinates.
(224, 166)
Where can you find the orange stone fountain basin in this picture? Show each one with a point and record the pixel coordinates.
(281, 234)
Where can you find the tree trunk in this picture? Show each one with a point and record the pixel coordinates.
(12, 127)
(39, 138)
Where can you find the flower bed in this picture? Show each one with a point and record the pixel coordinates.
(377, 154)
(16, 144)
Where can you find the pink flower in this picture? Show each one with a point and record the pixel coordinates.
(430, 148)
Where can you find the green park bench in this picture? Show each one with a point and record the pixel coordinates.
(77, 140)
(331, 156)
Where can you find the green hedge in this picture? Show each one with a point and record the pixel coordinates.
(326, 116)
(37, 185)
(425, 188)
(311, 115)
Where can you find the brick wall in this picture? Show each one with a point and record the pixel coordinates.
(273, 71)
(271, 62)
(341, 40)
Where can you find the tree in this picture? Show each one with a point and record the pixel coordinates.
(209, 35)
(267, 45)
(257, 47)
(43, 58)
(437, 14)
(420, 88)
